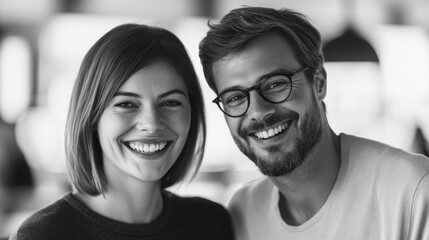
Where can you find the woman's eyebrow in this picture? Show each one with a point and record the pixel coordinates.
(127, 94)
(175, 91)
(135, 95)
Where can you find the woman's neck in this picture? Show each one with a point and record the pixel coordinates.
(138, 202)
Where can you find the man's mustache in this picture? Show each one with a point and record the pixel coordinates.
(271, 120)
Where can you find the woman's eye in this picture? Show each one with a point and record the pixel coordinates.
(126, 105)
(171, 104)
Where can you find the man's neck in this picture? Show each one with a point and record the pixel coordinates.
(304, 191)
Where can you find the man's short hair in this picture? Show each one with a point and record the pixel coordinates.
(236, 29)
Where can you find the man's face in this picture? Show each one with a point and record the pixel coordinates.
(276, 137)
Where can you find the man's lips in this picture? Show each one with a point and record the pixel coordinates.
(271, 131)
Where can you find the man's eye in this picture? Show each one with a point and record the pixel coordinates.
(277, 85)
(235, 98)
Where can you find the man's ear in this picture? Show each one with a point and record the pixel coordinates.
(320, 84)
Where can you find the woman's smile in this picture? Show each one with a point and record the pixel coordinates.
(148, 147)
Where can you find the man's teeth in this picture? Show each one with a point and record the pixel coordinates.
(271, 132)
(147, 147)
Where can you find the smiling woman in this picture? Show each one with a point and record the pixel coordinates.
(135, 126)
(145, 126)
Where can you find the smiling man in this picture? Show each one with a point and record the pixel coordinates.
(266, 67)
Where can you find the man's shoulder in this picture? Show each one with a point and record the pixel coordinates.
(377, 150)
(256, 191)
(251, 205)
(256, 186)
(386, 161)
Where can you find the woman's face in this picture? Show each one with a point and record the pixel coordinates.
(143, 129)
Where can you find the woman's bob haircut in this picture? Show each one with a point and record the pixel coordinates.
(111, 61)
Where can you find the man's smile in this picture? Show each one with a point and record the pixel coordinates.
(273, 131)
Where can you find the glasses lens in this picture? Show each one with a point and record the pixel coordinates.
(276, 88)
(233, 102)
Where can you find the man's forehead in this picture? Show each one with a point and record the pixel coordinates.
(239, 72)
(259, 57)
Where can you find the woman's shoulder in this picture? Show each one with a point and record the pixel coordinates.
(44, 222)
(195, 203)
(202, 215)
(194, 208)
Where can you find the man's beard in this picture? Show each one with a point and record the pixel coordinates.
(309, 134)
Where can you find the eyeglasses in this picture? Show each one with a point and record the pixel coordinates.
(275, 88)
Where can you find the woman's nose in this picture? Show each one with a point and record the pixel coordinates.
(149, 120)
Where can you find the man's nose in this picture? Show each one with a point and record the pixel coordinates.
(259, 107)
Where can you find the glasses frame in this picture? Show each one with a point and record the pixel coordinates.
(257, 87)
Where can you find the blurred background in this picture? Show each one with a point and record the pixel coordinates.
(377, 58)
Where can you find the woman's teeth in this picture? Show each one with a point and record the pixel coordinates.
(147, 147)
(271, 132)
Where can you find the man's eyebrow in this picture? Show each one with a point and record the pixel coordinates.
(277, 71)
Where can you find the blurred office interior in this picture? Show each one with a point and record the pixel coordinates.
(377, 58)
